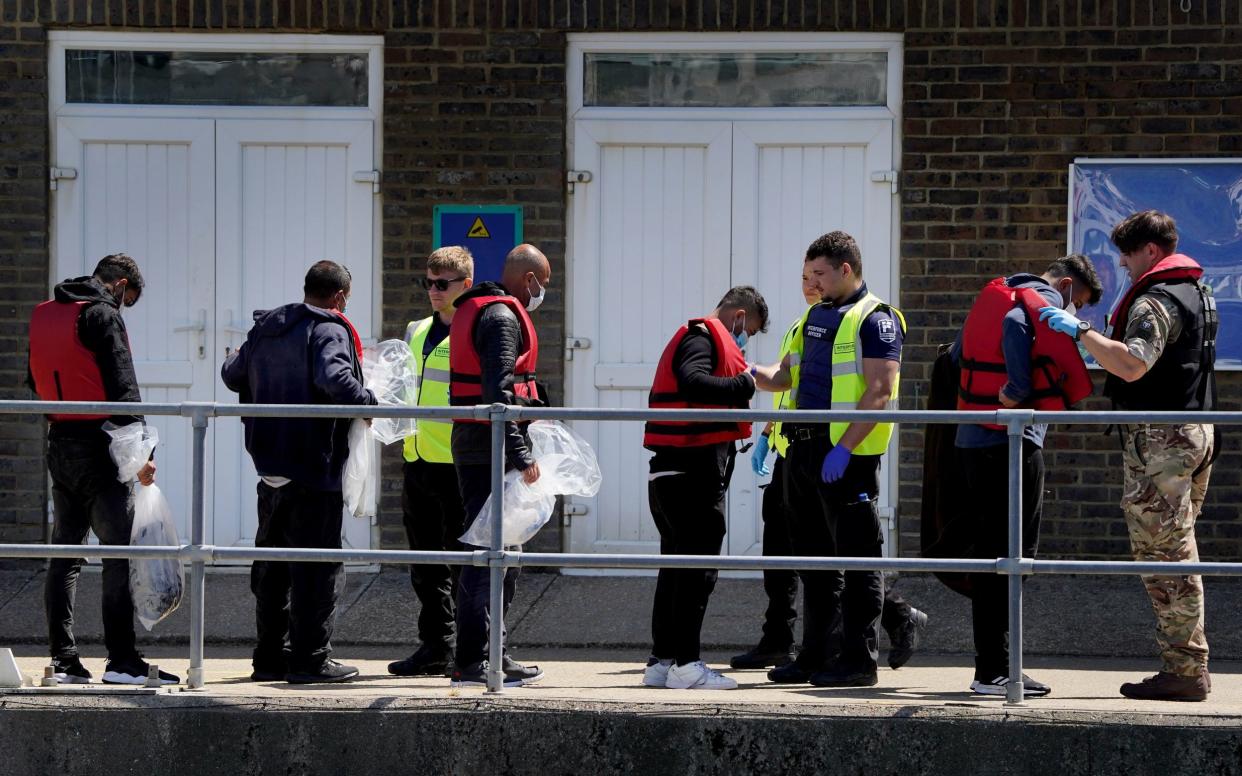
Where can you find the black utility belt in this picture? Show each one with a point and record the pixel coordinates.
(804, 433)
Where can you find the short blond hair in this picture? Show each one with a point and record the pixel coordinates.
(451, 257)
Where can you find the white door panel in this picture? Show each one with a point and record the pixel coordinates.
(286, 198)
(792, 182)
(653, 231)
(137, 185)
(676, 214)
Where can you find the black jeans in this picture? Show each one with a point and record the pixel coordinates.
(295, 603)
(86, 496)
(838, 519)
(780, 586)
(987, 478)
(434, 518)
(474, 586)
(689, 512)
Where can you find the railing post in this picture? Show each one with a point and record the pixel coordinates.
(1014, 692)
(496, 571)
(199, 414)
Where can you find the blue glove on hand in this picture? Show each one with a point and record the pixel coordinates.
(834, 463)
(759, 458)
(1059, 320)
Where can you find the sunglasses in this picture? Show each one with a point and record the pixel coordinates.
(439, 284)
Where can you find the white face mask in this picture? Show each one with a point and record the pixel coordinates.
(1071, 308)
(535, 300)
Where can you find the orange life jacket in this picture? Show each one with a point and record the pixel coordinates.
(665, 394)
(63, 368)
(465, 369)
(1059, 378)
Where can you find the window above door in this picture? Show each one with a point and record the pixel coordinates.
(734, 75)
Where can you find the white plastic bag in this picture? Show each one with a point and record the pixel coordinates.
(567, 467)
(131, 447)
(388, 372)
(358, 481)
(155, 583)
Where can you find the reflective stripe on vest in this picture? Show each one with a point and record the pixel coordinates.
(787, 400)
(434, 441)
(848, 385)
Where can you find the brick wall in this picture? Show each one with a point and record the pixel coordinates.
(999, 98)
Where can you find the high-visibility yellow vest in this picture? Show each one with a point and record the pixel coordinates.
(434, 441)
(786, 400)
(848, 385)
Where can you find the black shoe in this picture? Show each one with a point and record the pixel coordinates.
(839, 676)
(133, 670)
(515, 671)
(425, 661)
(329, 671)
(69, 670)
(1169, 687)
(762, 657)
(904, 639)
(268, 674)
(476, 676)
(790, 673)
(999, 685)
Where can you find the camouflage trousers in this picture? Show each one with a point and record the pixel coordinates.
(1163, 493)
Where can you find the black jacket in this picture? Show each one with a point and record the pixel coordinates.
(694, 361)
(102, 331)
(497, 339)
(298, 354)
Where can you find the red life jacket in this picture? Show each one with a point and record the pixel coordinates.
(1176, 266)
(1059, 378)
(63, 368)
(465, 370)
(665, 394)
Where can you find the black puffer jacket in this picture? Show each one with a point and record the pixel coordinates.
(298, 354)
(497, 339)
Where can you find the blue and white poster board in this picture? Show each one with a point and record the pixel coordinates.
(1204, 196)
(488, 231)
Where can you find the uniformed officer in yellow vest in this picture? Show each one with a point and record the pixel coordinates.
(430, 500)
(848, 353)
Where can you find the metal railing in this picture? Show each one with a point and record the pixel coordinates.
(497, 559)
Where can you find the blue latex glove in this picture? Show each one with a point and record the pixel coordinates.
(834, 463)
(1059, 320)
(759, 458)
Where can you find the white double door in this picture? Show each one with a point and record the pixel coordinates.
(676, 214)
(223, 218)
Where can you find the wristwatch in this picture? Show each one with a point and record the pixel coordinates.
(1083, 328)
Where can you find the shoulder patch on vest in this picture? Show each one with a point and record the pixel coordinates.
(888, 329)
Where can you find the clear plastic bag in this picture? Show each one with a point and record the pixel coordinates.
(155, 583)
(358, 480)
(131, 447)
(567, 467)
(388, 370)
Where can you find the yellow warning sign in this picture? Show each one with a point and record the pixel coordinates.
(477, 229)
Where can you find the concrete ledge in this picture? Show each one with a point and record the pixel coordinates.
(197, 735)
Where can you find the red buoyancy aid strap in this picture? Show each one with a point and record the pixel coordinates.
(63, 368)
(353, 334)
(1175, 266)
(1059, 376)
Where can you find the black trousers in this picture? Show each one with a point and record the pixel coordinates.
(987, 478)
(295, 603)
(474, 584)
(838, 519)
(86, 496)
(780, 586)
(432, 510)
(689, 512)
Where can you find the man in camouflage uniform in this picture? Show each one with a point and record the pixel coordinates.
(1161, 356)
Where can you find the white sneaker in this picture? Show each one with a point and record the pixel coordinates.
(656, 674)
(697, 676)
